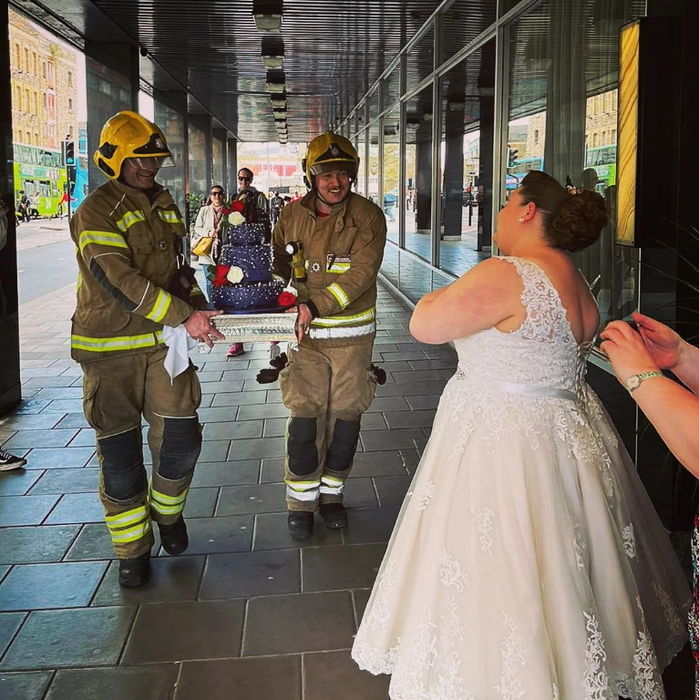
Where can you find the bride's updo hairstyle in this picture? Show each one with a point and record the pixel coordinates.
(571, 221)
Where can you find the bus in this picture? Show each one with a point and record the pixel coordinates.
(602, 159)
(41, 174)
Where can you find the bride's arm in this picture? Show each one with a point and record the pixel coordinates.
(485, 296)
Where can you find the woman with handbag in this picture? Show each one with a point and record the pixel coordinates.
(207, 227)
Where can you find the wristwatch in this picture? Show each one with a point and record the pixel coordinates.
(634, 381)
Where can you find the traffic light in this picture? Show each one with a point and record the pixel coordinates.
(512, 154)
(70, 153)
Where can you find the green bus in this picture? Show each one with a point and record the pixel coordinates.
(41, 174)
(603, 160)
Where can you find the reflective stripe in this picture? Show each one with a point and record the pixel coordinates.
(311, 495)
(168, 500)
(78, 282)
(167, 505)
(160, 307)
(124, 342)
(101, 238)
(339, 293)
(170, 216)
(331, 485)
(355, 319)
(125, 518)
(133, 533)
(351, 332)
(338, 268)
(303, 485)
(129, 219)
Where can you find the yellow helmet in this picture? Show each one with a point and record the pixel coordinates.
(330, 151)
(129, 135)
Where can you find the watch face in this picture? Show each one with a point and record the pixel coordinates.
(290, 249)
(633, 382)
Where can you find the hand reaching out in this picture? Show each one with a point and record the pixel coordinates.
(663, 344)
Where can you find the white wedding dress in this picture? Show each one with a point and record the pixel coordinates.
(527, 560)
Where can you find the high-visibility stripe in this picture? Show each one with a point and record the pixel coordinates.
(124, 342)
(78, 282)
(170, 216)
(126, 518)
(311, 495)
(167, 505)
(331, 480)
(160, 307)
(339, 293)
(353, 320)
(338, 268)
(101, 238)
(133, 533)
(331, 485)
(129, 219)
(168, 500)
(350, 332)
(303, 485)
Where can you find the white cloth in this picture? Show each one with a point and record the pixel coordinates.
(179, 343)
(527, 560)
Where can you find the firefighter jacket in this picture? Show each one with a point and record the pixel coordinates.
(126, 248)
(343, 254)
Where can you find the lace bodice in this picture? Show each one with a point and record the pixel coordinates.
(541, 352)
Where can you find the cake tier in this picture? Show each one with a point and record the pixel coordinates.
(245, 234)
(243, 297)
(254, 260)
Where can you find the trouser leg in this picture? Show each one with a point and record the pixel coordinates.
(352, 388)
(304, 384)
(174, 436)
(113, 396)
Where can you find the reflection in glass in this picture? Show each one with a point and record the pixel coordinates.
(420, 61)
(373, 181)
(462, 22)
(361, 151)
(563, 117)
(216, 161)
(415, 280)
(418, 174)
(391, 158)
(467, 94)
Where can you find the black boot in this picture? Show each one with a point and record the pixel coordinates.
(174, 537)
(134, 572)
(300, 524)
(334, 514)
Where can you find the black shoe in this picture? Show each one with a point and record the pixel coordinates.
(334, 514)
(9, 461)
(300, 524)
(174, 537)
(134, 572)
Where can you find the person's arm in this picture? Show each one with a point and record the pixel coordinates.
(107, 255)
(672, 409)
(200, 227)
(669, 351)
(485, 296)
(366, 256)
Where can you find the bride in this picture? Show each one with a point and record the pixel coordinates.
(527, 560)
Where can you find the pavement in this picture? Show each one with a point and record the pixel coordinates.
(247, 612)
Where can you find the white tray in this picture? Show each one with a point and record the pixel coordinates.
(253, 328)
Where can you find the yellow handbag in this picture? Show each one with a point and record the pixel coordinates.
(203, 246)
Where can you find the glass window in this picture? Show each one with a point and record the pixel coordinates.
(216, 161)
(466, 157)
(418, 173)
(373, 103)
(360, 145)
(390, 89)
(420, 61)
(562, 119)
(173, 126)
(462, 22)
(373, 175)
(391, 161)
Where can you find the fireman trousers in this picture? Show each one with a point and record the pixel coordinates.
(116, 393)
(326, 389)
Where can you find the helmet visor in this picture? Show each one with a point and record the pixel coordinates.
(152, 162)
(347, 166)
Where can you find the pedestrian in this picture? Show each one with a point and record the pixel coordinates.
(334, 241)
(275, 207)
(247, 192)
(128, 236)
(23, 207)
(527, 560)
(638, 358)
(208, 226)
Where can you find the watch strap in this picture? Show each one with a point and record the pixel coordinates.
(632, 386)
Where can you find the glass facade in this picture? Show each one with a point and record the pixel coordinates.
(482, 97)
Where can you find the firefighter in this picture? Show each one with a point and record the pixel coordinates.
(330, 243)
(128, 236)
